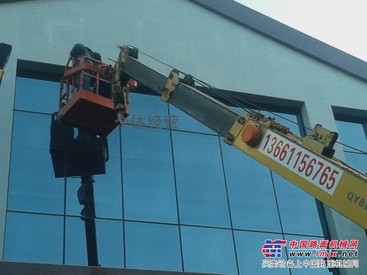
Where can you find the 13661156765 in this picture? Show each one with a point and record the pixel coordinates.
(304, 163)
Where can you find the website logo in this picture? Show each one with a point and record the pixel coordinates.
(273, 248)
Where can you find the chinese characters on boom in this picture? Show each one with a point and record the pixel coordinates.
(310, 254)
(153, 121)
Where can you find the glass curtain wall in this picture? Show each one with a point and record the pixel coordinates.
(174, 198)
(354, 138)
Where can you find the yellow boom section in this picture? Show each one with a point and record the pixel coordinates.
(327, 179)
(1, 74)
(306, 162)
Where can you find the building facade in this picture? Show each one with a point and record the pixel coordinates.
(175, 197)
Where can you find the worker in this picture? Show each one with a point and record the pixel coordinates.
(89, 83)
(105, 87)
(78, 51)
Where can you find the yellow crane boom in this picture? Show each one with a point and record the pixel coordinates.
(301, 162)
(306, 162)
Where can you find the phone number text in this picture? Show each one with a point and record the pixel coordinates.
(310, 167)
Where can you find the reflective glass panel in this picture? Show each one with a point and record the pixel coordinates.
(249, 253)
(75, 242)
(72, 204)
(208, 250)
(152, 246)
(298, 210)
(33, 186)
(302, 258)
(251, 193)
(36, 95)
(147, 111)
(200, 180)
(353, 134)
(109, 243)
(149, 189)
(107, 188)
(33, 238)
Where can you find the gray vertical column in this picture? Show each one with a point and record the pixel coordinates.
(6, 118)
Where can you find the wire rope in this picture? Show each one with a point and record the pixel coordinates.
(237, 102)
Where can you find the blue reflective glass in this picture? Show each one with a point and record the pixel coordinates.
(147, 111)
(249, 253)
(33, 186)
(298, 210)
(305, 261)
(34, 238)
(109, 242)
(152, 246)
(208, 250)
(149, 189)
(185, 122)
(75, 242)
(353, 134)
(36, 95)
(251, 193)
(107, 188)
(72, 204)
(200, 180)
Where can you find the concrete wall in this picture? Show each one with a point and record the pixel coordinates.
(184, 35)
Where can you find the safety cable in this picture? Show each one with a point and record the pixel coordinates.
(212, 88)
(356, 150)
(236, 101)
(219, 93)
(243, 107)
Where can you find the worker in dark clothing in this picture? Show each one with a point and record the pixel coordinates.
(89, 83)
(104, 87)
(78, 51)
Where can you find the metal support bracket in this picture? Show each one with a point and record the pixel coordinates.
(235, 130)
(321, 141)
(171, 85)
(123, 54)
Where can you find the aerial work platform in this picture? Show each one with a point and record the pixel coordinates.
(90, 112)
(88, 100)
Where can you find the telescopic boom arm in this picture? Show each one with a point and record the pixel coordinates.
(306, 162)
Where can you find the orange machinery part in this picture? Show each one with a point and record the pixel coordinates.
(250, 135)
(91, 112)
